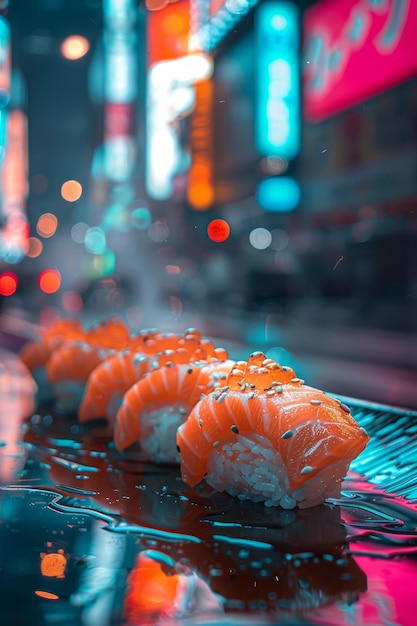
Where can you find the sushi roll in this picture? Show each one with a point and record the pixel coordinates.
(154, 407)
(267, 437)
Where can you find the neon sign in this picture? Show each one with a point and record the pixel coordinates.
(200, 190)
(277, 127)
(211, 21)
(355, 49)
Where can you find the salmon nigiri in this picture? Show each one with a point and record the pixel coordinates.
(109, 381)
(266, 436)
(154, 407)
(35, 354)
(71, 363)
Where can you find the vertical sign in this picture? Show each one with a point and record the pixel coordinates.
(200, 175)
(277, 121)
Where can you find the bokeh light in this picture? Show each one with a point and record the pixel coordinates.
(260, 238)
(280, 239)
(280, 194)
(74, 47)
(158, 231)
(72, 302)
(49, 280)
(200, 195)
(173, 269)
(8, 283)
(218, 230)
(140, 218)
(35, 247)
(78, 232)
(71, 190)
(47, 225)
(95, 240)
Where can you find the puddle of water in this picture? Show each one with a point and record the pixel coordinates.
(89, 535)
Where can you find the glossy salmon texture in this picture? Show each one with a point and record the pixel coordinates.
(309, 429)
(171, 390)
(75, 360)
(35, 354)
(111, 379)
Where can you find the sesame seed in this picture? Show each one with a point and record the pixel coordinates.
(363, 430)
(234, 429)
(316, 402)
(200, 423)
(296, 380)
(344, 407)
(271, 392)
(221, 397)
(306, 470)
(287, 434)
(216, 443)
(178, 449)
(251, 395)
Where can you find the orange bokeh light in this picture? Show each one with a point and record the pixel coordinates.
(8, 283)
(49, 281)
(46, 595)
(47, 225)
(35, 247)
(218, 230)
(74, 47)
(53, 565)
(71, 190)
(200, 195)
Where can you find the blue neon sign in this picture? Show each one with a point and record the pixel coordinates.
(277, 123)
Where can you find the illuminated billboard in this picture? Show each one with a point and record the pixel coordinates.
(354, 50)
(277, 121)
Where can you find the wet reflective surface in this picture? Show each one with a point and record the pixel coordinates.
(89, 535)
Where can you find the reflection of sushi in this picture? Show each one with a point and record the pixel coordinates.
(267, 437)
(157, 404)
(259, 560)
(110, 380)
(159, 587)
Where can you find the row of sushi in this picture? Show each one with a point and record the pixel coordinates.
(251, 428)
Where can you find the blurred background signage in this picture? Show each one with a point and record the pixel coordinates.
(277, 125)
(355, 49)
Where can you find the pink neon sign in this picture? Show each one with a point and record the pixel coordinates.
(355, 49)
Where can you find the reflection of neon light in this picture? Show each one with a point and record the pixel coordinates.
(278, 107)
(164, 109)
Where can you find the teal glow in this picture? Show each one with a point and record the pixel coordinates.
(140, 218)
(277, 124)
(281, 194)
(95, 240)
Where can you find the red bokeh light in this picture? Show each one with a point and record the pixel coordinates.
(218, 230)
(49, 281)
(8, 283)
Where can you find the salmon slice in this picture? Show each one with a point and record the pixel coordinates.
(302, 428)
(111, 379)
(155, 405)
